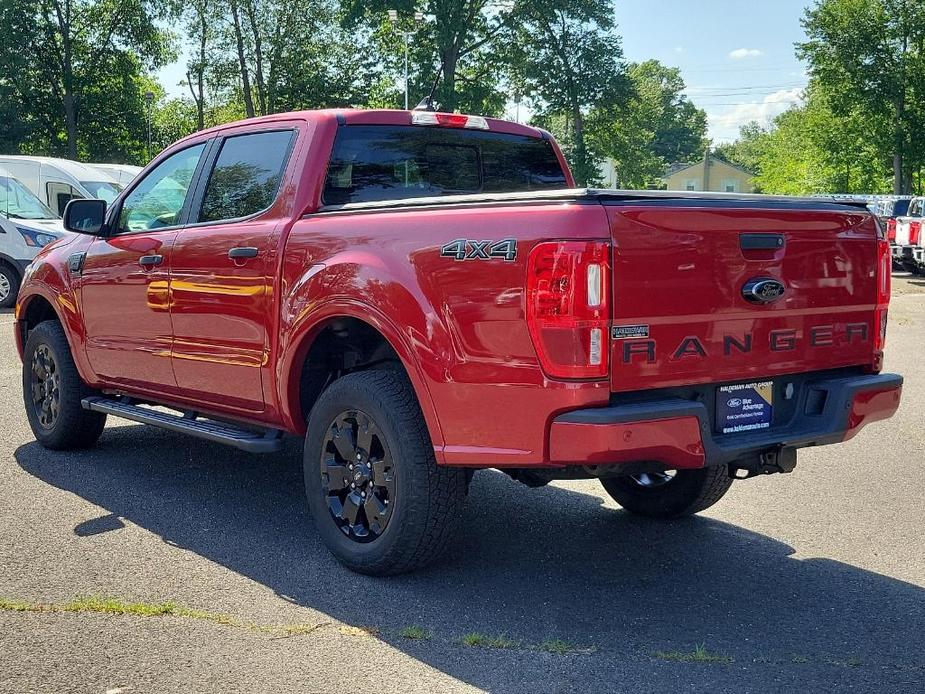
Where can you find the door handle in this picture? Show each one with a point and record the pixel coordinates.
(150, 260)
(242, 253)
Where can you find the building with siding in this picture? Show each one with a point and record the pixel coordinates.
(710, 174)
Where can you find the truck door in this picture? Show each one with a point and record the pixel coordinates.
(124, 294)
(222, 270)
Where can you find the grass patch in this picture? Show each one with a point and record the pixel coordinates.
(476, 640)
(557, 646)
(115, 606)
(700, 654)
(415, 633)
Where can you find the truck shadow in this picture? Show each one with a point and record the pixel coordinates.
(529, 564)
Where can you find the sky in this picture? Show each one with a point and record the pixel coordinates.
(737, 58)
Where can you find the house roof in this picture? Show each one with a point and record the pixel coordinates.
(681, 166)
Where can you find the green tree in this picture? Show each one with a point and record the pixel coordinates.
(569, 60)
(78, 46)
(812, 149)
(869, 57)
(656, 126)
(462, 40)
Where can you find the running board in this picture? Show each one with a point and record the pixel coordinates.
(253, 442)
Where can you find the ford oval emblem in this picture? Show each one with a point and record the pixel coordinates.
(763, 290)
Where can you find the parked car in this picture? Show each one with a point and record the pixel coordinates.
(57, 181)
(420, 295)
(122, 174)
(26, 225)
(909, 245)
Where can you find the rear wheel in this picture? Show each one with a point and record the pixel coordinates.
(379, 500)
(9, 286)
(52, 391)
(669, 494)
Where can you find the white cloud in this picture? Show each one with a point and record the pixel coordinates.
(724, 124)
(679, 49)
(740, 53)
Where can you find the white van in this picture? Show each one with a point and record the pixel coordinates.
(122, 173)
(26, 225)
(55, 181)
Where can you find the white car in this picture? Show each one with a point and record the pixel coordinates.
(122, 173)
(57, 181)
(26, 226)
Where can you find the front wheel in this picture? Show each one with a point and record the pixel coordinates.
(52, 391)
(669, 494)
(379, 500)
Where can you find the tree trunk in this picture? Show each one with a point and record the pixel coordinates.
(201, 69)
(450, 60)
(70, 122)
(581, 170)
(242, 62)
(258, 56)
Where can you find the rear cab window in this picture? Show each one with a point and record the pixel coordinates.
(392, 162)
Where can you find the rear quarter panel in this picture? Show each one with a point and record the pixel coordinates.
(459, 326)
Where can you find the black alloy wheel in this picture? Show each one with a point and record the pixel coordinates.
(357, 476)
(46, 386)
(378, 498)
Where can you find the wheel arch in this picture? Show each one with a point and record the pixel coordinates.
(37, 303)
(365, 322)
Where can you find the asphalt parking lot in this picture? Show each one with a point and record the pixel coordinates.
(814, 580)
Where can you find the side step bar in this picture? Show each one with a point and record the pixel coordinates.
(253, 442)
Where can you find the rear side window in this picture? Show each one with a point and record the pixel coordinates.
(246, 175)
(389, 162)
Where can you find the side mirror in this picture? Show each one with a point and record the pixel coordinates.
(84, 216)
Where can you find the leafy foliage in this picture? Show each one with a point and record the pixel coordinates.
(656, 126)
(868, 59)
(568, 59)
(83, 73)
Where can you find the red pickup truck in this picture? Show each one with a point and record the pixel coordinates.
(421, 295)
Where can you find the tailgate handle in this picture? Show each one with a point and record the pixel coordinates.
(761, 242)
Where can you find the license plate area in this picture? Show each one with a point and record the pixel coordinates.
(743, 407)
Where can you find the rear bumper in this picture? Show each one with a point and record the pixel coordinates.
(678, 433)
(909, 254)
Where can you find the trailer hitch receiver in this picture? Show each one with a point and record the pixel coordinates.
(774, 460)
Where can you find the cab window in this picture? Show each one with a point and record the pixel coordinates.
(157, 201)
(246, 175)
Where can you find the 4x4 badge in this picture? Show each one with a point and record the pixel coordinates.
(468, 249)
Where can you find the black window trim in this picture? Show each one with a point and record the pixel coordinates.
(115, 210)
(198, 197)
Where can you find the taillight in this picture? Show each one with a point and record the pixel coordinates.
(915, 230)
(891, 230)
(449, 120)
(884, 269)
(568, 307)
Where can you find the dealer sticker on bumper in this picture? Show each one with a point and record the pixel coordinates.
(744, 407)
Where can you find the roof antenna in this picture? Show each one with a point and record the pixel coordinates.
(428, 103)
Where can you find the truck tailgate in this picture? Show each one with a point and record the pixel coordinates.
(680, 276)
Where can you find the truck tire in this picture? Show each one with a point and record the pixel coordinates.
(379, 500)
(9, 285)
(663, 495)
(52, 391)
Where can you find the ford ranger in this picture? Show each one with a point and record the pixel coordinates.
(420, 295)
